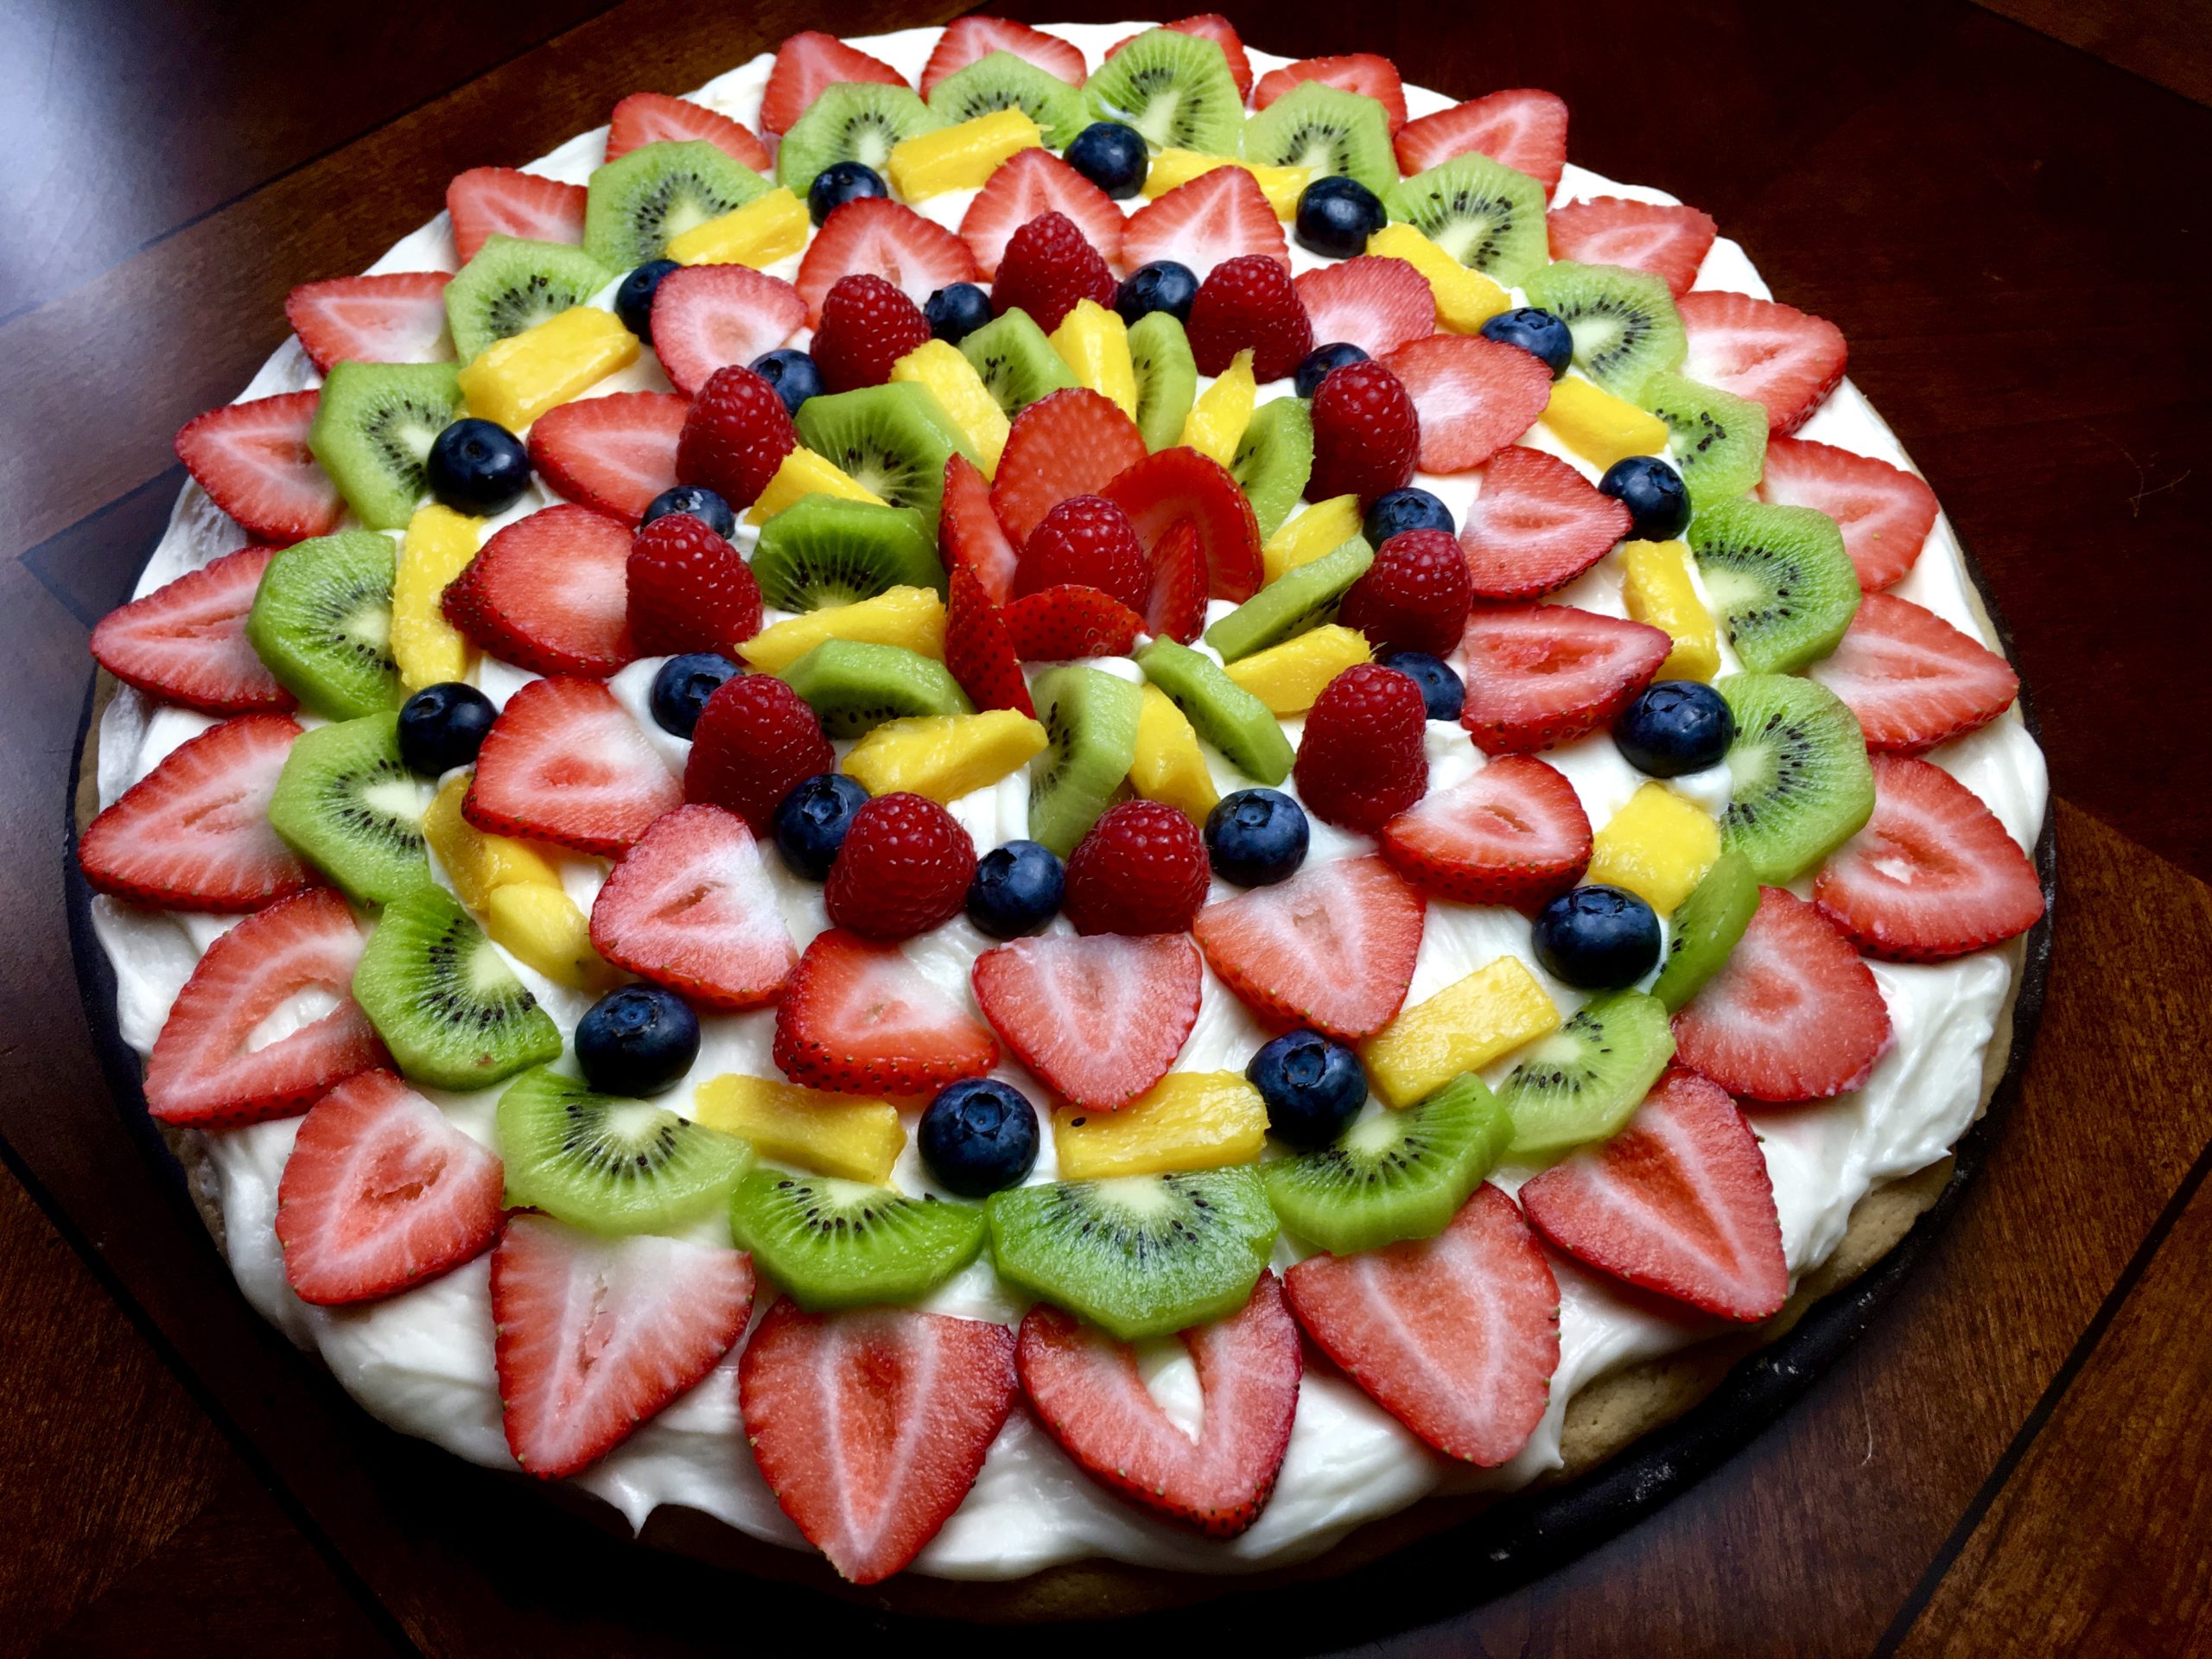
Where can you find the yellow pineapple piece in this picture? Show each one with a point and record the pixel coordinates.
(912, 617)
(1657, 589)
(544, 928)
(1188, 1119)
(1465, 299)
(427, 648)
(515, 380)
(937, 366)
(1280, 185)
(1658, 847)
(1170, 767)
(765, 230)
(1599, 427)
(477, 864)
(804, 472)
(1094, 343)
(944, 756)
(1216, 424)
(959, 157)
(833, 1134)
(1288, 677)
(1320, 529)
(1462, 1027)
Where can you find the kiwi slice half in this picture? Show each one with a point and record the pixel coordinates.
(850, 122)
(825, 550)
(1716, 440)
(1142, 1255)
(854, 686)
(447, 1005)
(347, 804)
(1333, 131)
(1168, 377)
(511, 285)
(999, 80)
(1480, 212)
(1275, 458)
(1174, 89)
(610, 1165)
(374, 424)
(659, 191)
(891, 439)
(1295, 603)
(1224, 713)
(1581, 1083)
(1779, 579)
(1800, 784)
(1625, 324)
(1090, 719)
(321, 623)
(1704, 929)
(834, 1244)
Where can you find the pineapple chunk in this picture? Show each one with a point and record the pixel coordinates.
(1320, 529)
(1599, 427)
(1465, 299)
(1659, 846)
(1094, 343)
(543, 927)
(938, 365)
(1657, 589)
(1288, 677)
(944, 756)
(804, 472)
(912, 617)
(832, 1134)
(1170, 767)
(517, 379)
(765, 230)
(1281, 185)
(477, 864)
(1462, 1027)
(1188, 1119)
(960, 157)
(1216, 424)
(427, 648)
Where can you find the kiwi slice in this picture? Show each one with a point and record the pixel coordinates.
(659, 191)
(1328, 129)
(1801, 783)
(1174, 89)
(825, 550)
(347, 804)
(850, 122)
(1090, 720)
(1393, 1175)
(1142, 1255)
(1018, 365)
(608, 1164)
(321, 623)
(1581, 1083)
(1779, 579)
(446, 1003)
(1705, 927)
(891, 439)
(830, 1243)
(1275, 458)
(1168, 377)
(1717, 440)
(999, 80)
(854, 686)
(1624, 323)
(374, 424)
(1480, 212)
(511, 285)
(1224, 713)
(1295, 603)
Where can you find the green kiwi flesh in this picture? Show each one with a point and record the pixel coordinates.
(444, 1000)
(1175, 89)
(825, 550)
(1704, 929)
(321, 623)
(1582, 1083)
(1167, 378)
(1778, 579)
(348, 804)
(831, 1243)
(1800, 784)
(374, 424)
(1481, 213)
(1273, 459)
(1625, 324)
(853, 686)
(850, 122)
(1716, 440)
(999, 80)
(608, 1164)
(1294, 603)
(1333, 131)
(1090, 719)
(1227, 716)
(512, 285)
(1017, 364)
(891, 439)
(657, 192)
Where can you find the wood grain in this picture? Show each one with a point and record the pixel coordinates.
(2169, 41)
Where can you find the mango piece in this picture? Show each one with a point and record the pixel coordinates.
(912, 617)
(1281, 186)
(960, 391)
(959, 157)
(802, 474)
(1288, 677)
(546, 930)
(1462, 1027)
(1170, 767)
(517, 379)
(944, 756)
(1659, 846)
(1465, 299)
(766, 229)
(1321, 529)
(1216, 424)
(429, 648)
(1657, 589)
(477, 864)
(1599, 427)
(1094, 343)
(844, 1135)
(1188, 1119)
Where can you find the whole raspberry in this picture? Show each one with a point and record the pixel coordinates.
(1048, 266)
(904, 868)
(1415, 596)
(1142, 869)
(1247, 301)
(689, 589)
(755, 741)
(1362, 761)
(866, 325)
(735, 436)
(1366, 436)
(1088, 541)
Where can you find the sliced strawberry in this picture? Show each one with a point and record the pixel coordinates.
(548, 592)
(969, 533)
(871, 1427)
(1513, 834)
(253, 460)
(806, 63)
(1523, 129)
(613, 454)
(488, 201)
(1071, 442)
(967, 39)
(690, 906)
(1179, 484)
(1912, 679)
(1537, 526)
(1539, 676)
(882, 238)
(1177, 609)
(1667, 239)
(596, 1335)
(206, 1071)
(194, 832)
(1774, 355)
(1058, 625)
(1794, 1015)
(707, 316)
(394, 317)
(1332, 948)
(1457, 1335)
(565, 763)
(1884, 511)
(381, 1192)
(978, 651)
(1474, 396)
(1034, 182)
(185, 642)
(858, 1018)
(1088, 1392)
(1375, 304)
(1218, 216)
(645, 118)
(1364, 72)
(1100, 1019)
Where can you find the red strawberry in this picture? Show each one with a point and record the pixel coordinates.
(394, 317)
(735, 436)
(867, 327)
(203, 1074)
(1249, 303)
(1414, 596)
(1457, 1335)
(1089, 1395)
(1884, 511)
(1774, 355)
(903, 870)
(185, 642)
(689, 589)
(1794, 1015)
(1332, 948)
(1181, 486)
(381, 1192)
(1373, 303)
(967, 39)
(1363, 757)
(1539, 676)
(1912, 679)
(1523, 129)
(1033, 183)
(807, 62)
(1061, 624)
(1089, 541)
(1538, 524)
(860, 1019)
(596, 1335)
(1668, 240)
(565, 763)
(488, 201)
(1218, 216)
(691, 907)
(645, 118)
(1475, 396)
(1933, 875)
(1141, 868)
(615, 453)
(755, 741)
(1100, 1019)
(1355, 72)
(1513, 834)
(871, 236)
(253, 460)
(1046, 267)
(978, 651)
(549, 594)
(1177, 609)
(870, 1427)
(1366, 434)
(706, 317)
(1071, 442)
(194, 832)
(968, 532)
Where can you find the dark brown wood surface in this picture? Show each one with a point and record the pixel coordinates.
(2013, 235)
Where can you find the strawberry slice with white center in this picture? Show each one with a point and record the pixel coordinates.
(857, 1018)
(550, 593)
(1522, 128)
(1181, 486)
(1679, 1201)
(970, 532)
(1456, 1336)
(253, 460)
(1539, 676)
(612, 454)
(266, 1023)
(882, 238)
(1912, 679)
(1221, 214)
(706, 317)
(396, 316)
(1933, 875)
(381, 1192)
(1088, 1392)
(1100, 1019)
(1666, 238)
(1068, 443)
(1374, 303)
(1365, 72)
(1332, 948)
(645, 118)
(185, 642)
(1537, 526)
(1473, 395)
(870, 1427)
(807, 62)
(1884, 511)
(967, 39)
(1794, 1015)
(1513, 834)
(565, 763)
(690, 906)
(488, 201)
(1031, 184)
(597, 1335)
(194, 832)
(978, 649)
(1774, 355)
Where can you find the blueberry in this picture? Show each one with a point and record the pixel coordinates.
(683, 686)
(633, 300)
(442, 725)
(1658, 506)
(791, 374)
(956, 311)
(1674, 726)
(1313, 1087)
(1112, 157)
(1257, 837)
(1597, 938)
(477, 467)
(1016, 889)
(1336, 215)
(702, 503)
(979, 1136)
(1163, 285)
(1442, 689)
(1313, 368)
(1538, 333)
(839, 183)
(810, 822)
(1409, 509)
(637, 1040)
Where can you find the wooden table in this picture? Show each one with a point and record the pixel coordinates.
(2012, 233)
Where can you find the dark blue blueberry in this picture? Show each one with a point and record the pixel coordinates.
(477, 467)
(1163, 285)
(1313, 368)
(1336, 215)
(1674, 726)
(637, 1040)
(1112, 157)
(683, 686)
(1016, 889)
(1257, 837)
(956, 311)
(702, 503)
(1537, 333)
(979, 1136)
(633, 300)
(1402, 510)
(442, 725)
(1313, 1086)
(1443, 690)
(791, 374)
(1597, 938)
(839, 183)
(810, 822)
(1658, 506)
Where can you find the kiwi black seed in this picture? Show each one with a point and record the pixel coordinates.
(1482, 214)
(608, 1164)
(641, 202)
(999, 80)
(1175, 89)
(1328, 131)
(1778, 579)
(1800, 782)
(832, 1244)
(1625, 324)
(1018, 365)
(825, 550)
(1716, 440)
(374, 424)
(850, 122)
(1581, 1083)
(348, 804)
(447, 1005)
(321, 623)
(512, 285)
(891, 440)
